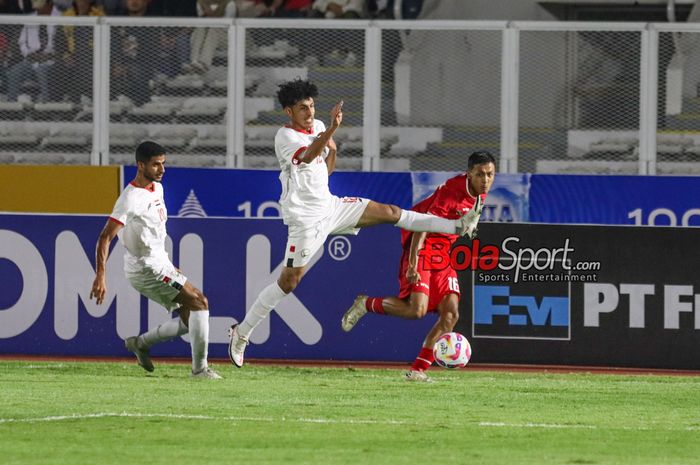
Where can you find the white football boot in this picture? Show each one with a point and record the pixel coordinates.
(142, 355)
(236, 346)
(466, 225)
(417, 376)
(206, 373)
(354, 313)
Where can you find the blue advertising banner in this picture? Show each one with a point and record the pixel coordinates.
(46, 266)
(552, 294)
(206, 192)
(255, 193)
(615, 200)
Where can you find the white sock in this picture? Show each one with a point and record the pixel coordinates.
(422, 222)
(162, 333)
(199, 338)
(268, 299)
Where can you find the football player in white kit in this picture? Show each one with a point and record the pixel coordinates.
(306, 153)
(138, 219)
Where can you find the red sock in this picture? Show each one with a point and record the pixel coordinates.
(375, 305)
(424, 360)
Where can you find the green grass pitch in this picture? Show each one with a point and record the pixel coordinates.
(115, 413)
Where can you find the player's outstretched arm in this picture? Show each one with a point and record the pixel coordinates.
(330, 159)
(99, 285)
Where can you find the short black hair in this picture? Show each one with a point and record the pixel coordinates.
(147, 150)
(291, 92)
(479, 158)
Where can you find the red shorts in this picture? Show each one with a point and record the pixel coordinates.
(436, 284)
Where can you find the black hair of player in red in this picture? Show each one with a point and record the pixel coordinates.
(480, 157)
(291, 92)
(147, 150)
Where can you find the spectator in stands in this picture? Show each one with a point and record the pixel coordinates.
(379, 9)
(133, 52)
(111, 7)
(63, 5)
(171, 51)
(5, 60)
(173, 43)
(254, 8)
(345, 9)
(8, 36)
(206, 40)
(9, 50)
(36, 44)
(75, 66)
(12, 7)
(291, 8)
(172, 8)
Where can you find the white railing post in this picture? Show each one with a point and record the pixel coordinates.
(648, 93)
(510, 81)
(100, 109)
(372, 98)
(235, 97)
(96, 91)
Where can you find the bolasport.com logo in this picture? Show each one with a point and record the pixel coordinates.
(511, 261)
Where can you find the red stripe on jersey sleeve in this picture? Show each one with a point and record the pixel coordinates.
(115, 220)
(295, 157)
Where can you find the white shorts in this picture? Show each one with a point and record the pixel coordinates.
(159, 286)
(304, 241)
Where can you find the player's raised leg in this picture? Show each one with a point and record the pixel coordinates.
(415, 307)
(196, 306)
(380, 213)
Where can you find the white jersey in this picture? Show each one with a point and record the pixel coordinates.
(142, 212)
(305, 196)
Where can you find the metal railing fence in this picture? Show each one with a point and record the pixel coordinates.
(563, 97)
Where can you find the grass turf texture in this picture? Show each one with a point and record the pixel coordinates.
(115, 413)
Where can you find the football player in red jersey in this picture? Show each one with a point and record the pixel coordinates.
(428, 283)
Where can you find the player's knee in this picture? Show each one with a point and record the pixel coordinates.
(200, 300)
(289, 282)
(450, 315)
(394, 212)
(288, 286)
(418, 310)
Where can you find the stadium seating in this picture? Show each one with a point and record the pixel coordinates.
(67, 139)
(125, 137)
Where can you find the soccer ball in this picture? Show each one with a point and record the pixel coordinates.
(452, 350)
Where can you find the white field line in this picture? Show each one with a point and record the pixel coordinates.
(33, 367)
(534, 425)
(485, 424)
(86, 416)
(573, 426)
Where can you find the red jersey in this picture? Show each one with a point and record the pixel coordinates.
(450, 200)
(293, 5)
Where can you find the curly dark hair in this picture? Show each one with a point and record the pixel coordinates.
(480, 157)
(291, 92)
